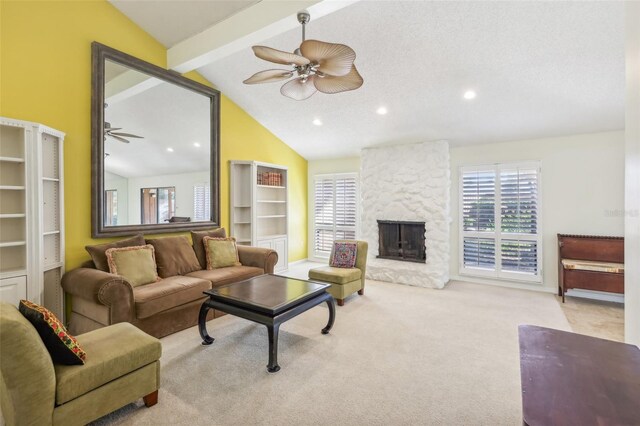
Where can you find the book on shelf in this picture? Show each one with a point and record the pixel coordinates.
(270, 179)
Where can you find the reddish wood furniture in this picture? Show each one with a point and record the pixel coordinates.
(596, 250)
(571, 379)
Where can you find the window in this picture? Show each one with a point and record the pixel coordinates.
(201, 202)
(111, 207)
(158, 205)
(500, 231)
(335, 212)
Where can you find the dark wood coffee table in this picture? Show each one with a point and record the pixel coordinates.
(269, 300)
(571, 379)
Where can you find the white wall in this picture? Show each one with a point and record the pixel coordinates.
(582, 188)
(183, 183)
(321, 167)
(632, 179)
(119, 183)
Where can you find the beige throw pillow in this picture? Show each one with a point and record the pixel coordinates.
(221, 252)
(197, 237)
(136, 264)
(98, 252)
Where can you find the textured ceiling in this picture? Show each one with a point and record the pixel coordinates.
(540, 69)
(171, 21)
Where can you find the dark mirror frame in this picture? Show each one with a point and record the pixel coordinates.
(99, 54)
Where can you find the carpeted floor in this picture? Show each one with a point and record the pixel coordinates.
(397, 355)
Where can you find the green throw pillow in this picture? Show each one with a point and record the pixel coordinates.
(136, 264)
(221, 252)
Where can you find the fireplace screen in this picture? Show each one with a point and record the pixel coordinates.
(402, 241)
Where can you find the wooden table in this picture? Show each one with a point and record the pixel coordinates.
(571, 379)
(269, 300)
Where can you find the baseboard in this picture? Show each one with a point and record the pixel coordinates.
(596, 295)
(507, 284)
(298, 262)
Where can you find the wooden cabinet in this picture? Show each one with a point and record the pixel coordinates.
(31, 214)
(259, 207)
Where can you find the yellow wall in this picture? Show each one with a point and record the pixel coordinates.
(45, 76)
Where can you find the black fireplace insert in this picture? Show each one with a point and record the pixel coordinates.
(402, 241)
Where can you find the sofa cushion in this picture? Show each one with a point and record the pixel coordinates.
(168, 293)
(198, 246)
(221, 252)
(113, 352)
(222, 276)
(62, 346)
(335, 275)
(136, 264)
(98, 252)
(174, 256)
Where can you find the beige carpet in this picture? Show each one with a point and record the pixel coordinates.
(398, 355)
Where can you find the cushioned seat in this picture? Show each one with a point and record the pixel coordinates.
(335, 275)
(168, 293)
(590, 265)
(112, 352)
(228, 275)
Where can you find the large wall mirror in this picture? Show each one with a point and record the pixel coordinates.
(155, 148)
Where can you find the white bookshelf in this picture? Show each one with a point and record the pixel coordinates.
(259, 207)
(31, 214)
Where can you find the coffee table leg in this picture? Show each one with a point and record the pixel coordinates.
(202, 325)
(273, 331)
(332, 315)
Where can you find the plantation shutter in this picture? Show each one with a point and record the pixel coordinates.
(201, 202)
(335, 211)
(500, 232)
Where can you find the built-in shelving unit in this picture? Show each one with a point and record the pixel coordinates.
(31, 214)
(259, 207)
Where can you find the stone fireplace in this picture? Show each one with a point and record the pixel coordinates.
(401, 240)
(407, 184)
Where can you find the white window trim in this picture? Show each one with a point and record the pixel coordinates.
(333, 176)
(497, 235)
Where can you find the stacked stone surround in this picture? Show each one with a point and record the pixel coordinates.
(408, 183)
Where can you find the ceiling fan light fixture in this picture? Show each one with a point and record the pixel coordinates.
(317, 66)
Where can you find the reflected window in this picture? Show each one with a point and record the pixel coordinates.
(111, 207)
(158, 204)
(201, 202)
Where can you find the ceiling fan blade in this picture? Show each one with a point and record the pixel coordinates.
(296, 89)
(330, 84)
(110, 129)
(268, 76)
(333, 59)
(118, 138)
(128, 135)
(278, 56)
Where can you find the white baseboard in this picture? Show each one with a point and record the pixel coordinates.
(298, 262)
(596, 295)
(506, 284)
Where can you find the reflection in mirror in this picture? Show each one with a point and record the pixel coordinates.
(157, 150)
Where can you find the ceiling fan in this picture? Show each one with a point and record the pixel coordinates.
(119, 136)
(317, 66)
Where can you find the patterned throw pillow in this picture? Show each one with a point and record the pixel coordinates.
(344, 254)
(62, 346)
(136, 264)
(221, 252)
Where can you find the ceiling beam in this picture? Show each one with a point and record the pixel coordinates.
(250, 26)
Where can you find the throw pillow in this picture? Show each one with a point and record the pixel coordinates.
(174, 256)
(98, 252)
(344, 254)
(221, 252)
(136, 264)
(62, 346)
(197, 237)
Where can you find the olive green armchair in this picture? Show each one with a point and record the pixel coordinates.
(344, 281)
(122, 366)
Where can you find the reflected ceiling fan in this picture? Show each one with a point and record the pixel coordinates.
(317, 66)
(119, 136)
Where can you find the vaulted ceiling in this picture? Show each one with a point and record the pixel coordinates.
(539, 69)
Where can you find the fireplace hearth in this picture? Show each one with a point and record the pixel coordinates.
(400, 240)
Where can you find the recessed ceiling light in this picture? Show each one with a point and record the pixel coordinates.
(196, 144)
(317, 122)
(469, 94)
(381, 110)
(170, 149)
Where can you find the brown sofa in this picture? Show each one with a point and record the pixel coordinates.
(99, 298)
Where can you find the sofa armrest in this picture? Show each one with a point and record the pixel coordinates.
(259, 257)
(103, 288)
